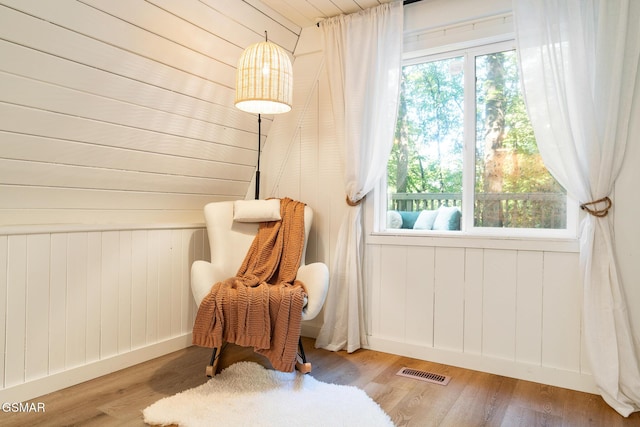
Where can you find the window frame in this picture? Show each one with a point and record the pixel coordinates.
(467, 227)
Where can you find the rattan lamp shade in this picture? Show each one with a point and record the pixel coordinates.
(264, 80)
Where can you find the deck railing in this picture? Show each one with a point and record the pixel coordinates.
(521, 210)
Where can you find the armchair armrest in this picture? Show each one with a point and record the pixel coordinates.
(202, 279)
(315, 277)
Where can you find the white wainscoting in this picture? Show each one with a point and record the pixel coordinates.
(505, 311)
(77, 303)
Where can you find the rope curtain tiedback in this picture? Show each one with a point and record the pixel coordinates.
(579, 65)
(592, 209)
(363, 58)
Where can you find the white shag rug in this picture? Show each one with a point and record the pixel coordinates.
(247, 394)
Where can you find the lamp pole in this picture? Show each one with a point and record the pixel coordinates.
(258, 167)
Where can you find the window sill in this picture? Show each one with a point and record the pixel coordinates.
(457, 239)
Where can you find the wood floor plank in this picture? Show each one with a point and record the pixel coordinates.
(585, 409)
(541, 399)
(476, 403)
(518, 416)
(470, 399)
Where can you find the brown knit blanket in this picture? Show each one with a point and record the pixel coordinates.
(262, 305)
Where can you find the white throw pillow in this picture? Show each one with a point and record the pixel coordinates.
(448, 218)
(256, 210)
(425, 220)
(394, 220)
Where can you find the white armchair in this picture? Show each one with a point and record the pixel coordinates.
(229, 241)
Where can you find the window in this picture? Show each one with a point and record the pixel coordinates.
(464, 154)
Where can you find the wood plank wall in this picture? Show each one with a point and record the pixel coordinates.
(70, 300)
(114, 112)
(123, 111)
(511, 307)
(506, 311)
(135, 125)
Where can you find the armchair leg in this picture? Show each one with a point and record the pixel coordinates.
(301, 362)
(210, 370)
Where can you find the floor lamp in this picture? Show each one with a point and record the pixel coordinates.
(264, 85)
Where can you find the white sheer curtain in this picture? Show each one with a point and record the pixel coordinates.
(363, 54)
(579, 64)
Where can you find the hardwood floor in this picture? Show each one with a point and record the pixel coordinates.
(470, 399)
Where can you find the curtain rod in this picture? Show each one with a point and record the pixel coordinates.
(404, 3)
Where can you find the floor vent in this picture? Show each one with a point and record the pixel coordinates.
(424, 376)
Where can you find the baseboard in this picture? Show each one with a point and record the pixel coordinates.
(540, 374)
(41, 386)
(310, 330)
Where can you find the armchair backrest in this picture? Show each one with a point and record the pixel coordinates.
(229, 240)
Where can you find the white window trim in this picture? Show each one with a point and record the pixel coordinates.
(564, 240)
(375, 216)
